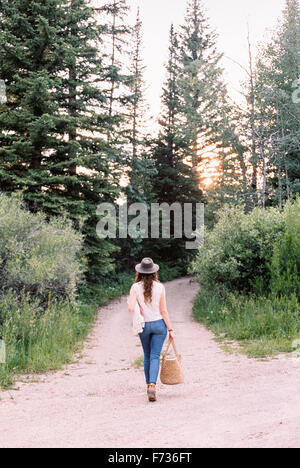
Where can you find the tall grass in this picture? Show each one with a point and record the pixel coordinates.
(261, 325)
(38, 340)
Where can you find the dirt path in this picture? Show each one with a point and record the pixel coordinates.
(227, 400)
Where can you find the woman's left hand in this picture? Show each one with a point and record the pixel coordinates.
(171, 335)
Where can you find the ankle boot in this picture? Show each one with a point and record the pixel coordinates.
(151, 392)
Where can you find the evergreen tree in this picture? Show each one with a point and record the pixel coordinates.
(30, 58)
(264, 164)
(140, 166)
(119, 33)
(236, 173)
(173, 182)
(114, 38)
(196, 113)
(52, 139)
(277, 117)
(201, 83)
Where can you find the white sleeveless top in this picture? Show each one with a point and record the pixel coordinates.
(151, 310)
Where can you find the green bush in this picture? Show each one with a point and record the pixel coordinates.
(119, 284)
(40, 322)
(249, 273)
(236, 253)
(100, 294)
(37, 256)
(169, 272)
(285, 265)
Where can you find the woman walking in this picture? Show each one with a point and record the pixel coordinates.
(150, 295)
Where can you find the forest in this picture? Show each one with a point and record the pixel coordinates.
(74, 134)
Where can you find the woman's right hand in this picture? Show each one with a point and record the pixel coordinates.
(171, 335)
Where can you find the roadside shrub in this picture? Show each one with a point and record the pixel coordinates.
(169, 272)
(38, 339)
(285, 265)
(249, 317)
(261, 325)
(236, 253)
(101, 294)
(249, 273)
(36, 256)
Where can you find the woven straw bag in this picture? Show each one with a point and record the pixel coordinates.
(171, 368)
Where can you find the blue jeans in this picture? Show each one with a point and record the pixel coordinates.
(152, 339)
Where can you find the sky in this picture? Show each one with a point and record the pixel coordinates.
(228, 17)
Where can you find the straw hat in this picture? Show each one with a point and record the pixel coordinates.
(147, 267)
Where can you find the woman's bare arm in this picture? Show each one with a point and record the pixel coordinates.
(132, 300)
(164, 312)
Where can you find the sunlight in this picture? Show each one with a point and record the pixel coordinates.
(208, 182)
(124, 181)
(209, 167)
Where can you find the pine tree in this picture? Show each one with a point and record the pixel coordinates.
(263, 166)
(52, 139)
(201, 82)
(173, 181)
(119, 33)
(140, 166)
(30, 58)
(115, 36)
(277, 116)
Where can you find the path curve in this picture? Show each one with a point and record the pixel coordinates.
(226, 401)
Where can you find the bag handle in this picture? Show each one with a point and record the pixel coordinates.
(174, 347)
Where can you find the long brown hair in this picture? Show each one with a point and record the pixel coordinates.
(147, 281)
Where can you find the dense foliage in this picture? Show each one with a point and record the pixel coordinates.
(249, 276)
(261, 164)
(285, 265)
(238, 250)
(37, 257)
(52, 128)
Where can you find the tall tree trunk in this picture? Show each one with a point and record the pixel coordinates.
(287, 181)
(264, 184)
(253, 135)
(279, 188)
(72, 100)
(113, 54)
(136, 87)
